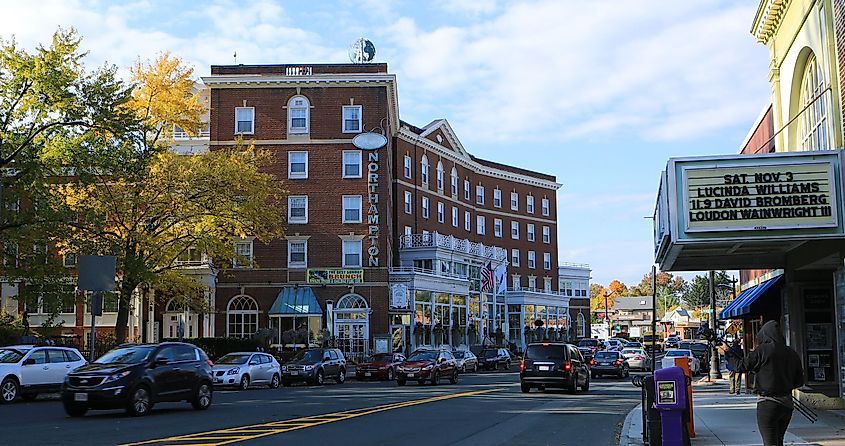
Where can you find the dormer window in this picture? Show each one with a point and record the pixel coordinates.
(298, 113)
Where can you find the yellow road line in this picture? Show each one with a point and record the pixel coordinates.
(250, 432)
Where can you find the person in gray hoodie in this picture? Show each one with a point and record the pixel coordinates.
(778, 371)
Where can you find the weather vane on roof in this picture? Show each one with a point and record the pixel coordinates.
(362, 51)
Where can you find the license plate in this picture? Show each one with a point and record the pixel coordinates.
(604, 363)
(410, 375)
(80, 397)
(368, 374)
(544, 368)
(294, 372)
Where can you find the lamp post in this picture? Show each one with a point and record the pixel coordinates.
(607, 316)
(715, 373)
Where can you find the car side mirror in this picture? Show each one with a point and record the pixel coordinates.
(327, 358)
(29, 361)
(441, 360)
(253, 362)
(160, 361)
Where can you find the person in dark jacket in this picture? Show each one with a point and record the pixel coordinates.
(778, 371)
(735, 377)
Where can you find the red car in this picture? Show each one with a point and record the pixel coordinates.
(379, 366)
(428, 365)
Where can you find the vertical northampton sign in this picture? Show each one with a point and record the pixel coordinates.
(372, 142)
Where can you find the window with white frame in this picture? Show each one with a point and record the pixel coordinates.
(532, 282)
(352, 253)
(467, 221)
(441, 212)
(547, 261)
(241, 317)
(407, 166)
(297, 253)
(547, 235)
(497, 198)
(243, 254)
(69, 259)
(351, 164)
(424, 170)
(813, 131)
(547, 284)
(453, 177)
(351, 119)
(480, 224)
(297, 165)
(425, 207)
(532, 259)
(297, 209)
(440, 178)
(352, 208)
(582, 326)
(515, 230)
(298, 114)
(529, 204)
(497, 227)
(466, 189)
(479, 194)
(545, 205)
(408, 203)
(515, 257)
(529, 232)
(515, 284)
(455, 221)
(514, 201)
(244, 120)
(409, 230)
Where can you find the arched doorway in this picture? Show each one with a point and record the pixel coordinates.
(352, 326)
(174, 312)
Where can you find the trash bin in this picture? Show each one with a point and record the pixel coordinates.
(651, 416)
(671, 401)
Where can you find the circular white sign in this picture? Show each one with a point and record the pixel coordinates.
(369, 141)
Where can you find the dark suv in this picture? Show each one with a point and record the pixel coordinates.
(553, 365)
(314, 366)
(136, 376)
(430, 365)
(492, 358)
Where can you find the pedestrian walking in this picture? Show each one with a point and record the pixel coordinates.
(734, 376)
(778, 372)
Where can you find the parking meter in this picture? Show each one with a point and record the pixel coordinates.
(671, 400)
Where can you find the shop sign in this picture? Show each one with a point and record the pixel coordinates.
(335, 276)
(661, 217)
(759, 198)
(399, 296)
(372, 209)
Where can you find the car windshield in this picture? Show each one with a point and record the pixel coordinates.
(545, 352)
(634, 344)
(672, 353)
(630, 351)
(607, 355)
(588, 343)
(423, 356)
(699, 348)
(308, 356)
(233, 359)
(11, 356)
(384, 357)
(490, 353)
(126, 355)
(459, 355)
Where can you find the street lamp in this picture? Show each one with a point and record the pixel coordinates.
(715, 373)
(607, 316)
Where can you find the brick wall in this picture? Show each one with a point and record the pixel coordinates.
(761, 140)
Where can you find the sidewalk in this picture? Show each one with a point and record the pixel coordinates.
(724, 419)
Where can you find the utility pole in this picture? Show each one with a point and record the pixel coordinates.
(607, 316)
(715, 373)
(653, 317)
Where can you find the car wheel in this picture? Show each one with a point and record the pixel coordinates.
(525, 388)
(274, 383)
(390, 374)
(435, 378)
(454, 378)
(244, 382)
(9, 390)
(75, 410)
(318, 378)
(573, 389)
(341, 376)
(475, 368)
(140, 402)
(463, 368)
(202, 397)
(508, 365)
(400, 382)
(586, 385)
(29, 396)
(496, 366)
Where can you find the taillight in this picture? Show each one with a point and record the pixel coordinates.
(592, 362)
(567, 366)
(521, 365)
(639, 358)
(211, 364)
(617, 362)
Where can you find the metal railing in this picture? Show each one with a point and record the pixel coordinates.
(575, 265)
(430, 272)
(450, 242)
(538, 291)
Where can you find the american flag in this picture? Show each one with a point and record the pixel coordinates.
(487, 278)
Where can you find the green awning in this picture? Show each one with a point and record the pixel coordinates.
(296, 301)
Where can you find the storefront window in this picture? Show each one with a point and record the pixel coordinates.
(515, 323)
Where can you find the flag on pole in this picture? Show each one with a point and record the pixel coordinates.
(487, 278)
(501, 281)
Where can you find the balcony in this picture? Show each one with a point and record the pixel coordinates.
(430, 280)
(536, 296)
(451, 244)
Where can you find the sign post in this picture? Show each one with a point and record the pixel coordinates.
(96, 274)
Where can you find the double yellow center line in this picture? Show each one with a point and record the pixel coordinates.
(251, 432)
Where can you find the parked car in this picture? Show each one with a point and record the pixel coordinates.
(137, 376)
(633, 344)
(593, 344)
(244, 369)
(314, 366)
(26, 370)
(379, 366)
(586, 353)
(699, 349)
(492, 358)
(637, 358)
(672, 341)
(428, 365)
(609, 363)
(669, 359)
(613, 344)
(553, 365)
(466, 360)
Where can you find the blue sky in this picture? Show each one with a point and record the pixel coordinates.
(597, 93)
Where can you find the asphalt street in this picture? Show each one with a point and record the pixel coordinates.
(483, 408)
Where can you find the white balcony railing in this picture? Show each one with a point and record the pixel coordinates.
(574, 265)
(537, 291)
(449, 242)
(429, 272)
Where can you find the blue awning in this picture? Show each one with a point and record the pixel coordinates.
(741, 306)
(296, 301)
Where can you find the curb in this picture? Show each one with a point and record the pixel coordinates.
(625, 437)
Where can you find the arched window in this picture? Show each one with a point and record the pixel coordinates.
(298, 114)
(582, 325)
(454, 177)
(813, 131)
(241, 317)
(174, 306)
(424, 170)
(352, 302)
(439, 175)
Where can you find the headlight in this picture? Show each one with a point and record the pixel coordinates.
(233, 371)
(284, 368)
(309, 367)
(428, 367)
(118, 376)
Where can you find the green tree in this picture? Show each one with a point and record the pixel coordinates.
(697, 294)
